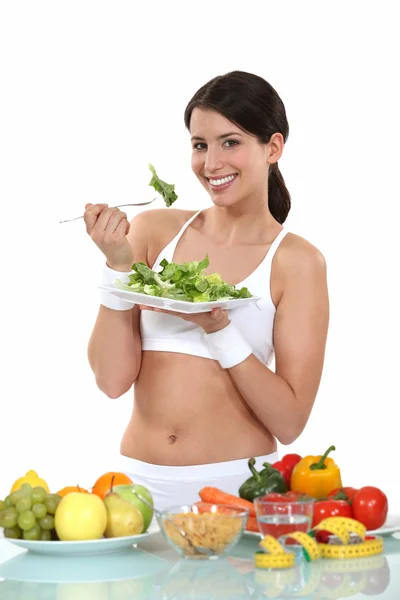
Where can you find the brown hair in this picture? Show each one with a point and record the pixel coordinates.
(252, 104)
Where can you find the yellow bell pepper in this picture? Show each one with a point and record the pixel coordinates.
(30, 477)
(316, 476)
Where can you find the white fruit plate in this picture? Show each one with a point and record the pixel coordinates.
(82, 548)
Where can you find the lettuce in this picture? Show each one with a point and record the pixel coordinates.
(166, 190)
(181, 282)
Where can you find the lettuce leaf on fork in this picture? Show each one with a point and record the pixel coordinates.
(185, 282)
(166, 190)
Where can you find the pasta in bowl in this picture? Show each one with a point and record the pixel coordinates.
(215, 528)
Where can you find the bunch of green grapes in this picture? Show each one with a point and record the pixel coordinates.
(28, 513)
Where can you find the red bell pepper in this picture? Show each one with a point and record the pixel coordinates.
(286, 466)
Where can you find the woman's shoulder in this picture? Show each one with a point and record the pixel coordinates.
(295, 252)
(160, 218)
(157, 227)
(161, 223)
(163, 216)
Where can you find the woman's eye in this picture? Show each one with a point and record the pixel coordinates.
(231, 143)
(199, 146)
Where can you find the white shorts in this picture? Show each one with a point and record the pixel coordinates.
(175, 486)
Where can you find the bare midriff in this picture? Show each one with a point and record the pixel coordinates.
(190, 413)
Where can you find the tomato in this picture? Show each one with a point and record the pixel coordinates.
(343, 493)
(331, 508)
(370, 507)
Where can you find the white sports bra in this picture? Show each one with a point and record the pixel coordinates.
(167, 333)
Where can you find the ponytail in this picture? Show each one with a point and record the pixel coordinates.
(278, 195)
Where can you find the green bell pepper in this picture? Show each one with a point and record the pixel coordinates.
(263, 482)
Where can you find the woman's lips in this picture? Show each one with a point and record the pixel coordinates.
(222, 186)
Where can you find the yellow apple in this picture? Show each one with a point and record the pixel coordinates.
(80, 517)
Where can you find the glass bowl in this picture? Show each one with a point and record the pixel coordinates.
(214, 527)
(281, 515)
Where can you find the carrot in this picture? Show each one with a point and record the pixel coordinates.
(252, 524)
(214, 495)
(204, 507)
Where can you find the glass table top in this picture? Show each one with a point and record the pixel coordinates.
(153, 570)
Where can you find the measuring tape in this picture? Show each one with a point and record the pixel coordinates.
(274, 556)
(278, 558)
(342, 527)
(275, 582)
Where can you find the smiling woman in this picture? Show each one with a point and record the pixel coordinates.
(206, 398)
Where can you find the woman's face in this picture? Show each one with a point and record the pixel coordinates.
(230, 163)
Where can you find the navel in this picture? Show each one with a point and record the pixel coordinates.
(172, 438)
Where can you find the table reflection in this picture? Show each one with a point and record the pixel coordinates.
(203, 580)
(117, 576)
(134, 589)
(140, 575)
(329, 578)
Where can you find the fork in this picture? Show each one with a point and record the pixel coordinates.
(118, 206)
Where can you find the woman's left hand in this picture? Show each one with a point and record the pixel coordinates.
(209, 321)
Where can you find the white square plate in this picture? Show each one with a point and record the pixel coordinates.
(188, 308)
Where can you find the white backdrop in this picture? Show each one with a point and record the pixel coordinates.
(94, 91)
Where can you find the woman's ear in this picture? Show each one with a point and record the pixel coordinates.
(275, 148)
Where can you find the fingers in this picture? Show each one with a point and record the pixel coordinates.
(217, 314)
(100, 218)
(109, 219)
(122, 228)
(91, 214)
(114, 223)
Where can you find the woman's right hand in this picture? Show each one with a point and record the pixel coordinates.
(108, 228)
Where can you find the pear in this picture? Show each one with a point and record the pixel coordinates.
(123, 518)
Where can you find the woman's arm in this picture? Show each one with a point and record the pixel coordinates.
(115, 346)
(114, 349)
(283, 400)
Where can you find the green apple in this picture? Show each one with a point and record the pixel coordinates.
(126, 492)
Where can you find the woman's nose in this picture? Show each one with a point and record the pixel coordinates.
(213, 161)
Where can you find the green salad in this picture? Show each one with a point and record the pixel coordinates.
(185, 282)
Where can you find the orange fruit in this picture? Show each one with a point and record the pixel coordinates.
(71, 488)
(104, 482)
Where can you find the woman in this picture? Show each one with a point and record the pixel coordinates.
(205, 397)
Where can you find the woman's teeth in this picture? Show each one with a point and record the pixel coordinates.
(222, 181)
